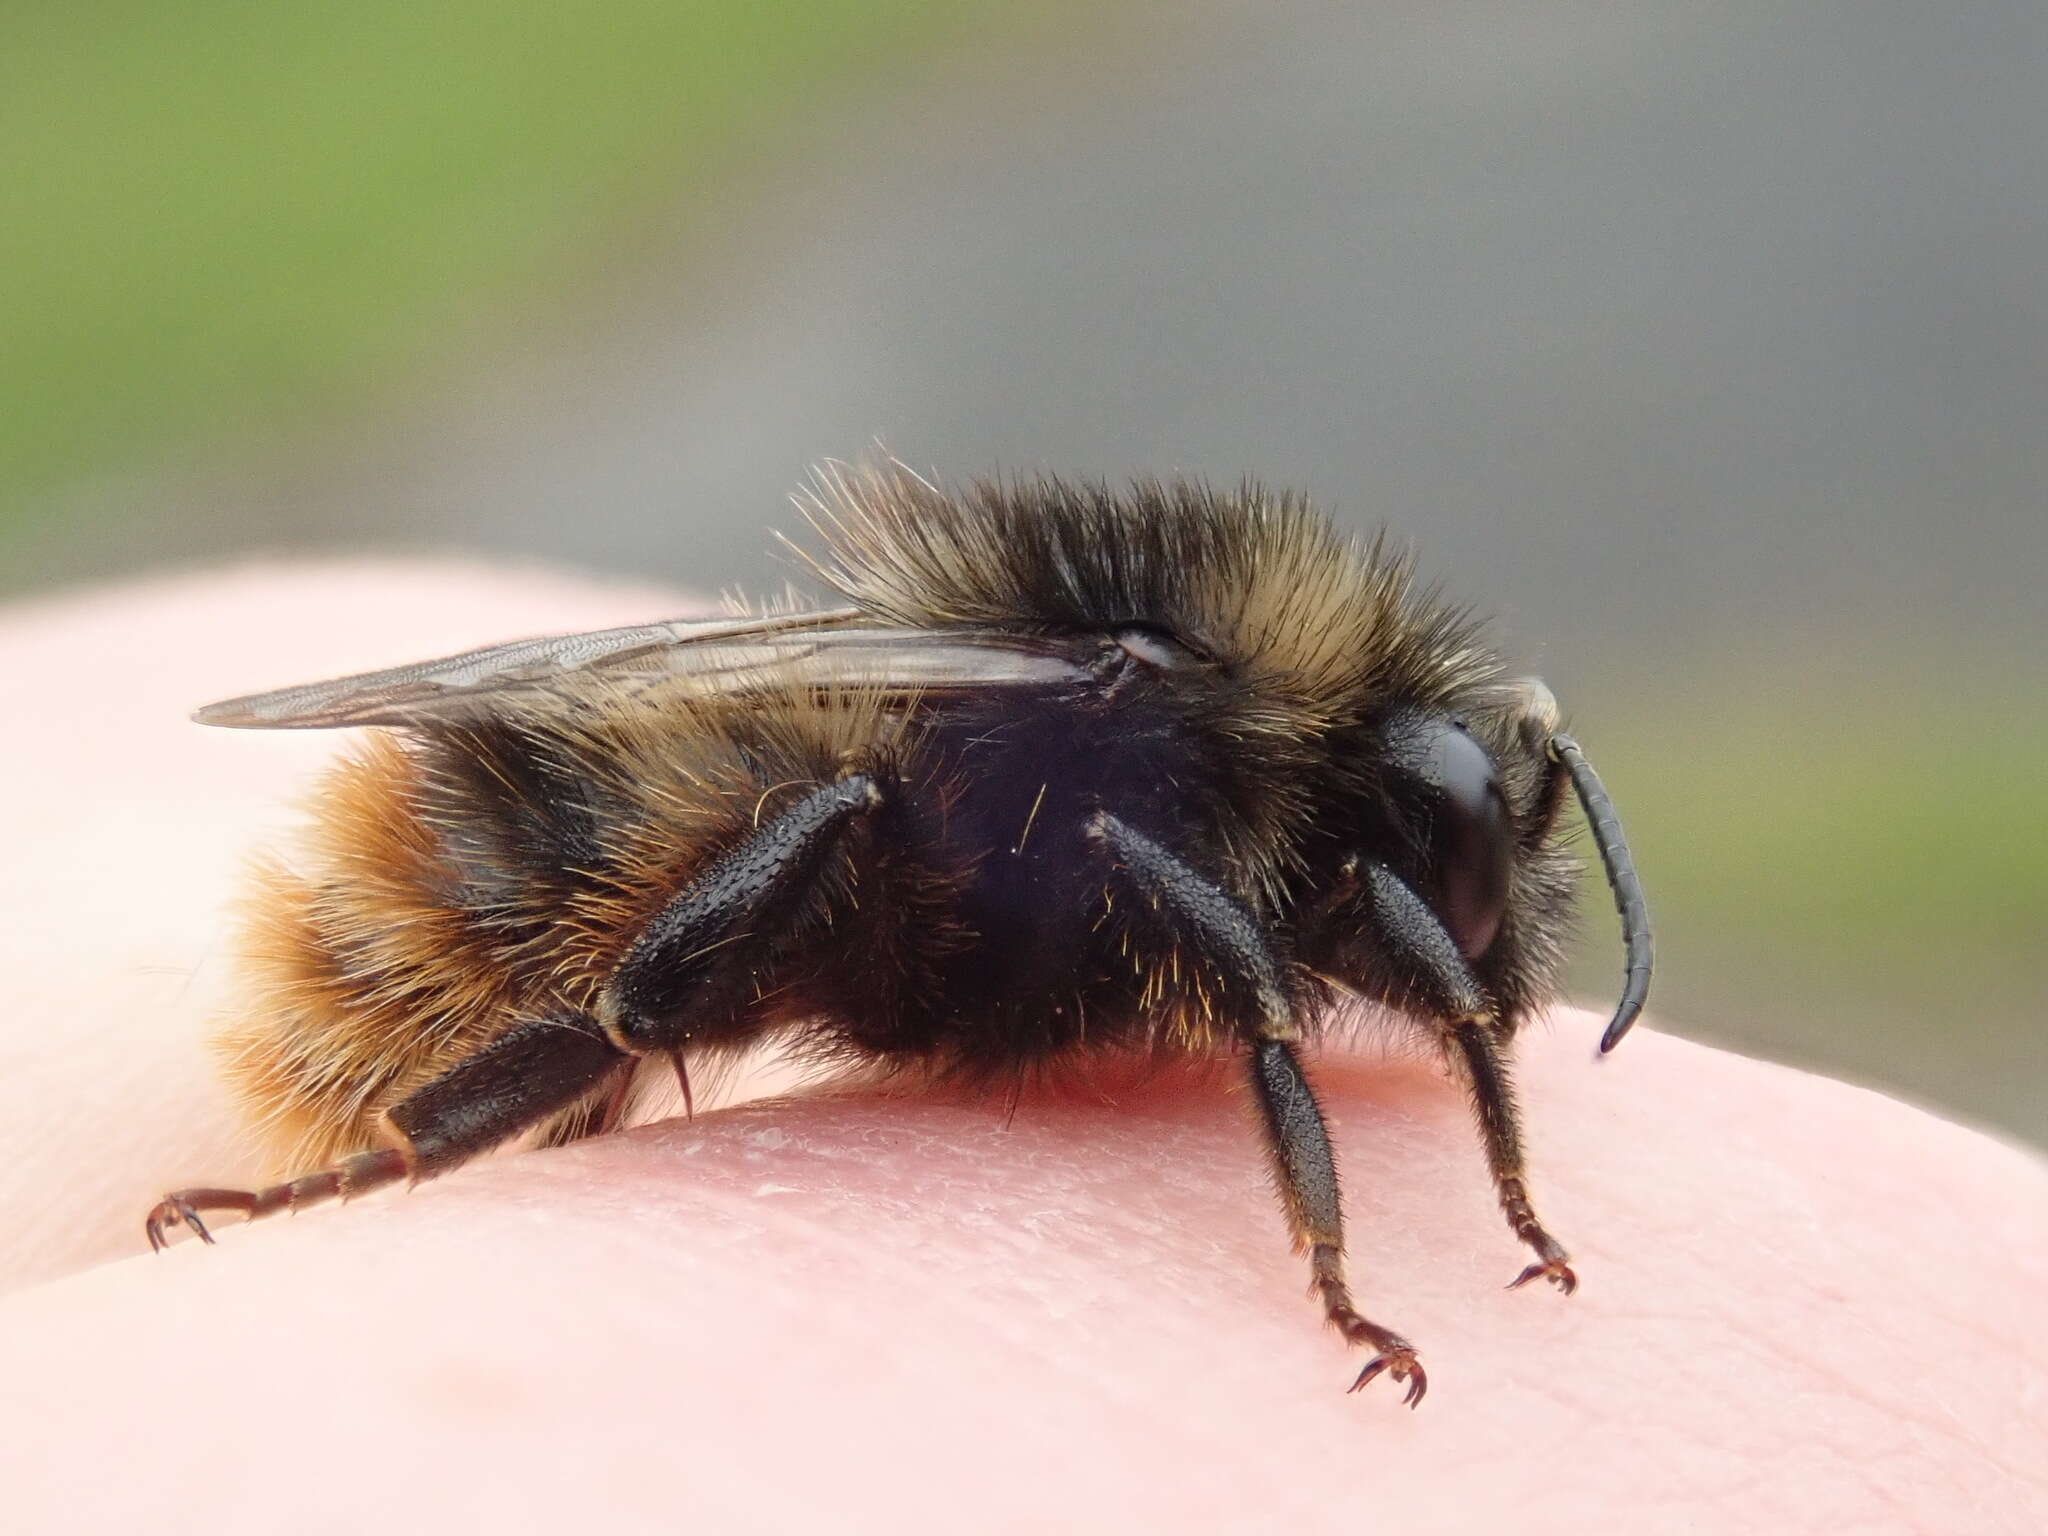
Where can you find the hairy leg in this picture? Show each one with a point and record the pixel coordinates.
(1429, 961)
(535, 1070)
(1298, 1142)
(688, 967)
(1305, 1168)
(686, 977)
(1493, 1099)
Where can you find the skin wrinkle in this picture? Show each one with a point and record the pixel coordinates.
(1741, 1355)
(1964, 1482)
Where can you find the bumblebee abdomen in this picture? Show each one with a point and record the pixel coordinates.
(459, 881)
(362, 977)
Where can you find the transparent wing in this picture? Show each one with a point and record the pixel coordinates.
(826, 649)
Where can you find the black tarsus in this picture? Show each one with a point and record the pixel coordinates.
(534, 1070)
(1622, 880)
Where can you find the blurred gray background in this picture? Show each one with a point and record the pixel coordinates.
(1707, 347)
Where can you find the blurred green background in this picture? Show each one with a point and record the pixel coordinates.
(1707, 346)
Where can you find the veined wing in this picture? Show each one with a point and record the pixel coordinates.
(829, 648)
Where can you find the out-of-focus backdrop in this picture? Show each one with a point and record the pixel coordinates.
(1705, 345)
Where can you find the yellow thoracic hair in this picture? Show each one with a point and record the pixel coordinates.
(1257, 579)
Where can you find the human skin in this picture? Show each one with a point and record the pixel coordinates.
(1804, 1307)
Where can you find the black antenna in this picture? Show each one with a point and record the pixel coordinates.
(1621, 879)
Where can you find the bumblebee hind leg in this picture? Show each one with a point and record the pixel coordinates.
(689, 977)
(535, 1070)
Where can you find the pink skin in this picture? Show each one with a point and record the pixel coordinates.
(1805, 1307)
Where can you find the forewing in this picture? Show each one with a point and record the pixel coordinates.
(826, 649)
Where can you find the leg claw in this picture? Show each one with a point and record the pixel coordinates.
(1401, 1364)
(1556, 1271)
(173, 1212)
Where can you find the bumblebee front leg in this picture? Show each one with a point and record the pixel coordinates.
(1493, 1098)
(1429, 962)
(1297, 1140)
(687, 977)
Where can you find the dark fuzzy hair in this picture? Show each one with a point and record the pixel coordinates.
(1080, 768)
(464, 876)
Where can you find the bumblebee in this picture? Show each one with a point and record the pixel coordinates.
(1073, 769)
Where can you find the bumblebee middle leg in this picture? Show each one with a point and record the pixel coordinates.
(1297, 1139)
(1307, 1175)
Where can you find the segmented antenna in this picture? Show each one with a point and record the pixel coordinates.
(1621, 879)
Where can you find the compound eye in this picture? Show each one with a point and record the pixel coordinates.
(1458, 804)
(1474, 843)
